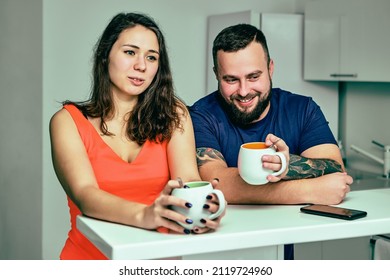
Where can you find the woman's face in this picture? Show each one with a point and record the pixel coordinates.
(133, 61)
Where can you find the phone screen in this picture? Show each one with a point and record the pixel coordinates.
(334, 212)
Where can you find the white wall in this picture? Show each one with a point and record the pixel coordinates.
(21, 129)
(71, 28)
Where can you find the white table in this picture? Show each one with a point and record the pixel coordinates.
(246, 232)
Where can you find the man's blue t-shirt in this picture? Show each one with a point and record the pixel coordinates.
(297, 119)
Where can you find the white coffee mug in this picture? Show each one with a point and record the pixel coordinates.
(196, 193)
(250, 164)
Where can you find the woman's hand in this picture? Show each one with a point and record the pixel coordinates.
(273, 162)
(160, 214)
(213, 206)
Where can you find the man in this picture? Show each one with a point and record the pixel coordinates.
(246, 108)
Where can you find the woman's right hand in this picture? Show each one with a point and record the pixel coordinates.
(160, 214)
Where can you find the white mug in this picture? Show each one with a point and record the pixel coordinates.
(196, 193)
(250, 164)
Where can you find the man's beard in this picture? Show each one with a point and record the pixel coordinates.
(242, 118)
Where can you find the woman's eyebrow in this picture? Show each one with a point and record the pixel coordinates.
(136, 47)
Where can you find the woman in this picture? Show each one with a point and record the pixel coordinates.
(115, 153)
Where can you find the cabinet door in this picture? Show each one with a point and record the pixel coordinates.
(369, 40)
(325, 40)
(347, 40)
(321, 47)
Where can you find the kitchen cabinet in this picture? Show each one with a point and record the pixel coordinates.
(347, 40)
(357, 248)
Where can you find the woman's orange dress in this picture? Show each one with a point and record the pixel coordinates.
(141, 180)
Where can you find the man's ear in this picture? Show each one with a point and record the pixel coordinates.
(215, 72)
(271, 68)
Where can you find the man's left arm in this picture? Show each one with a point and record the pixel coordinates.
(315, 162)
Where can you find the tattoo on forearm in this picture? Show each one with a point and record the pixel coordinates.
(301, 167)
(204, 155)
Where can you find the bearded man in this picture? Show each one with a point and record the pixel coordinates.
(246, 108)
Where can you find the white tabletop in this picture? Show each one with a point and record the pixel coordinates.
(244, 226)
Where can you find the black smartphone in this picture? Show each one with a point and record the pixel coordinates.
(334, 212)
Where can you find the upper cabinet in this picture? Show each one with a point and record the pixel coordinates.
(347, 40)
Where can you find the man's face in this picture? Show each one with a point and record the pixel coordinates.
(244, 80)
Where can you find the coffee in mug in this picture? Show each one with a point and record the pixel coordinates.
(196, 193)
(250, 164)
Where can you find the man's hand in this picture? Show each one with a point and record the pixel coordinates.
(273, 162)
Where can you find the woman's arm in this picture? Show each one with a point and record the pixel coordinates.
(182, 163)
(182, 153)
(75, 173)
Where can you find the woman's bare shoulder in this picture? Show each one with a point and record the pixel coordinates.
(60, 116)
(60, 119)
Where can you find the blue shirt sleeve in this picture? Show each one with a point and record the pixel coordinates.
(316, 129)
(205, 129)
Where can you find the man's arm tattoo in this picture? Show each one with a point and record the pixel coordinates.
(204, 155)
(302, 168)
